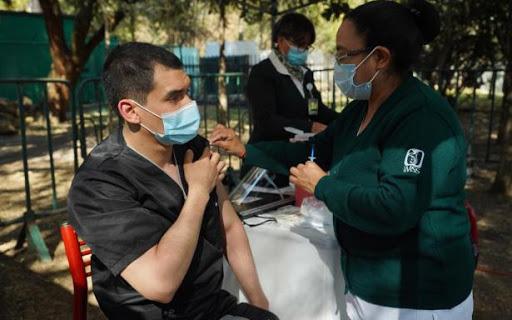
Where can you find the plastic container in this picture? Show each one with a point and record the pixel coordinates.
(300, 194)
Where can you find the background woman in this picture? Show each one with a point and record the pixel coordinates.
(281, 87)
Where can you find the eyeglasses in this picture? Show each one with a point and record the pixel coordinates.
(342, 55)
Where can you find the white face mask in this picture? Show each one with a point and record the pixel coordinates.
(344, 77)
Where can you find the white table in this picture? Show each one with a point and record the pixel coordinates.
(298, 263)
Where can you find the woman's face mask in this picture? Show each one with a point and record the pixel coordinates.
(344, 77)
(179, 126)
(297, 56)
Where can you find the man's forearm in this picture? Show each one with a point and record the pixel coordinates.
(242, 263)
(238, 251)
(159, 272)
(177, 246)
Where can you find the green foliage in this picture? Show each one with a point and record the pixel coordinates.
(325, 15)
(14, 5)
(175, 22)
(475, 33)
(469, 40)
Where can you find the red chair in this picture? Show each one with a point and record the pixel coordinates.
(474, 230)
(76, 251)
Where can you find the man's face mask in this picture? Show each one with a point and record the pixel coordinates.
(179, 126)
(344, 77)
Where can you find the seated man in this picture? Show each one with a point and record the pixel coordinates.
(149, 203)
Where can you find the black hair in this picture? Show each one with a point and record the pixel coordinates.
(402, 28)
(296, 27)
(129, 69)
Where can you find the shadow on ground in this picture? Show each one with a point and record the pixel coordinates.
(25, 294)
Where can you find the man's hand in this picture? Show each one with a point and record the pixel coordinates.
(203, 174)
(318, 127)
(306, 176)
(227, 139)
(260, 302)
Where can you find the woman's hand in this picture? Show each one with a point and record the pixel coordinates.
(227, 139)
(318, 127)
(306, 176)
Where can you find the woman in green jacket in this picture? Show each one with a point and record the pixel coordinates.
(391, 169)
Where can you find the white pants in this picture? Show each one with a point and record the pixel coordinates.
(358, 309)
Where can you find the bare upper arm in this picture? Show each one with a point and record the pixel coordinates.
(143, 275)
(228, 212)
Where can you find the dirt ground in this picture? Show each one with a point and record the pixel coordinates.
(31, 289)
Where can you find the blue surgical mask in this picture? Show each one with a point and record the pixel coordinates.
(296, 56)
(344, 77)
(179, 126)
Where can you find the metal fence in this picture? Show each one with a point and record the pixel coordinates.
(96, 119)
(474, 94)
(30, 215)
(93, 113)
(477, 97)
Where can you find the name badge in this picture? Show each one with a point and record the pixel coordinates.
(312, 107)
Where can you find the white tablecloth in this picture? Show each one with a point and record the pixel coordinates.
(298, 262)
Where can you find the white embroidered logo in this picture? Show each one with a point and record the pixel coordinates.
(413, 160)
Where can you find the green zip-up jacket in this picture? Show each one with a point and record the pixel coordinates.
(397, 195)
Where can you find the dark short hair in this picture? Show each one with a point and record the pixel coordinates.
(403, 29)
(129, 69)
(296, 27)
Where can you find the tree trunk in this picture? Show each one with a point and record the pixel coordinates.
(59, 95)
(68, 61)
(505, 108)
(222, 92)
(132, 23)
(505, 41)
(62, 64)
(503, 181)
(58, 99)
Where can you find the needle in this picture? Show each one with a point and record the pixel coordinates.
(312, 153)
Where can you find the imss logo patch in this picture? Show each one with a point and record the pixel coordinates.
(413, 160)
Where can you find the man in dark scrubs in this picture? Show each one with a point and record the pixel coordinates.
(149, 203)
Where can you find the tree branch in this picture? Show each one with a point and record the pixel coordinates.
(82, 24)
(59, 50)
(261, 8)
(243, 4)
(300, 6)
(54, 26)
(99, 35)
